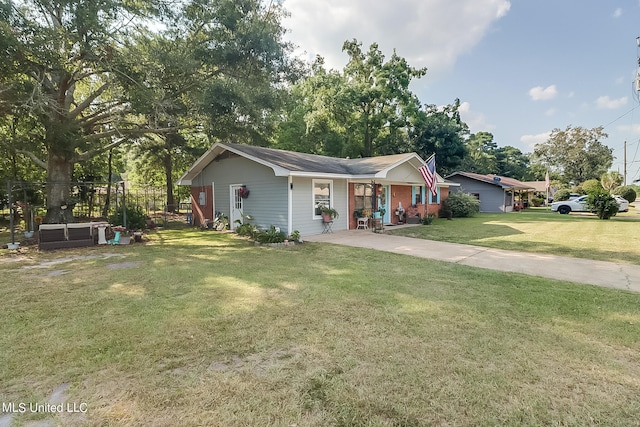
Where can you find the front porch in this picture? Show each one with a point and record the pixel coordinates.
(392, 203)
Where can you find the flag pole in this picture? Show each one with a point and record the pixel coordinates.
(546, 186)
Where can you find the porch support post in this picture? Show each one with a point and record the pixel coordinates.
(289, 205)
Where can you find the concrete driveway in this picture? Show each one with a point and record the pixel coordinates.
(600, 273)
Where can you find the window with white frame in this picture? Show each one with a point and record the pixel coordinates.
(322, 196)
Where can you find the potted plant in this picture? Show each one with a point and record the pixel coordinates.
(328, 214)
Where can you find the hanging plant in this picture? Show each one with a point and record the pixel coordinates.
(243, 192)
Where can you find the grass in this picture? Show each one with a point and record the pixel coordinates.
(540, 231)
(198, 328)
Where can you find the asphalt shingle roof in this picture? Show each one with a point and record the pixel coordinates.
(303, 162)
(503, 181)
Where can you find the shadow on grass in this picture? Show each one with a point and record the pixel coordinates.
(212, 306)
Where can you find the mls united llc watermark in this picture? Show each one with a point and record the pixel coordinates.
(47, 408)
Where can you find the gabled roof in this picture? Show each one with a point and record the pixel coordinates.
(499, 181)
(291, 163)
(539, 186)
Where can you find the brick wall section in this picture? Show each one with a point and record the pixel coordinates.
(399, 194)
(200, 213)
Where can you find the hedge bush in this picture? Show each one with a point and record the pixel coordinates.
(627, 192)
(459, 205)
(592, 186)
(562, 194)
(537, 201)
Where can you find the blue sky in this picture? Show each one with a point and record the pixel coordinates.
(520, 68)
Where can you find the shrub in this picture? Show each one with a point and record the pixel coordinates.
(295, 236)
(603, 204)
(627, 192)
(537, 201)
(562, 194)
(460, 205)
(246, 230)
(592, 186)
(136, 219)
(427, 219)
(273, 235)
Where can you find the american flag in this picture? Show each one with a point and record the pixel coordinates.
(546, 180)
(428, 173)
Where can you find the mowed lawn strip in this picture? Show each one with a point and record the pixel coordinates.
(200, 328)
(575, 235)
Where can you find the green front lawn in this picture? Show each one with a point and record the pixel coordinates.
(199, 328)
(540, 231)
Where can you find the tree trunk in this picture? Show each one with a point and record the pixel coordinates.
(168, 170)
(107, 202)
(59, 170)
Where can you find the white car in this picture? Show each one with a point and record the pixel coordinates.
(579, 204)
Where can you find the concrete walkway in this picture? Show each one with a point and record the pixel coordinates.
(600, 273)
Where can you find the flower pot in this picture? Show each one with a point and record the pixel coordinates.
(13, 246)
(28, 234)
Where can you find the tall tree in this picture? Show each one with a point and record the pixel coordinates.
(577, 153)
(246, 66)
(66, 64)
(440, 130)
(364, 110)
(315, 118)
(379, 92)
(512, 162)
(481, 154)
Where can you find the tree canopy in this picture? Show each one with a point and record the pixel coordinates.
(362, 111)
(440, 131)
(577, 153)
(93, 75)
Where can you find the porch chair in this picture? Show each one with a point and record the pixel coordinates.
(363, 223)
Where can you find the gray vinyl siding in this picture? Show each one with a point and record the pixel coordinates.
(267, 201)
(492, 197)
(303, 219)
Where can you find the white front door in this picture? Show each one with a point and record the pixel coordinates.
(236, 206)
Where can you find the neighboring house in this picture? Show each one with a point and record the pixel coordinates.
(286, 189)
(539, 189)
(496, 193)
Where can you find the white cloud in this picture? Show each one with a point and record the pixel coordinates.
(476, 121)
(540, 93)
(606, 103)
(425, 32)
(617, 13)
(532, 140)
(629, 129)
